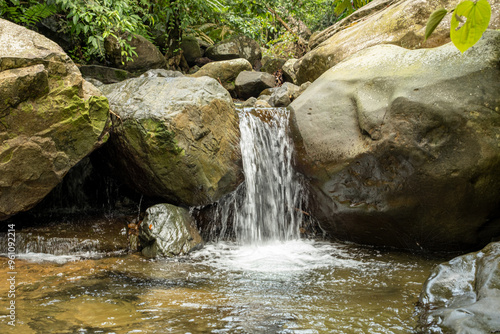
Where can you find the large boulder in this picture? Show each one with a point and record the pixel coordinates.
(400, 23)
(190, 49)
(236, 47)
(225, 71)
(168, 230)
(104, 74)
(463, 295)
(148, 56)
(403, 147)
(175, 138)
(251, 83)
(50, 118)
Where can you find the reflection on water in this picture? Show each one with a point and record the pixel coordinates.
(285, 287)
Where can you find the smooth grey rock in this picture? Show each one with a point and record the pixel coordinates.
(402, 147)
(284, 95)
(401, 23)
(237, 47)
(225, 71)
(249, 102)
(161, 73)
(168, 230)
(250, 84)
(463, 295)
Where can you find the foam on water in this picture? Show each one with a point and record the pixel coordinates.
(276, 256)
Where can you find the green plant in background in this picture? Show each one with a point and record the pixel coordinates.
(348, 7)
(468, 22)
(27, 13)
(92, 21)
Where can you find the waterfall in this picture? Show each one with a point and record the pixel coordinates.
(267, 206)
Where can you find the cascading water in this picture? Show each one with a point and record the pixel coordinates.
(272, 193)
(267, 207)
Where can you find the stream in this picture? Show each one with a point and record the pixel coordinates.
(256, 275)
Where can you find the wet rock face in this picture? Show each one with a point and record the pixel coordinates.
(175, 138)
(463, 295)
(402, 147)
(399, 23)
(50, 118)
(168, 230)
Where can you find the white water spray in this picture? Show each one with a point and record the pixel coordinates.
(267, 207)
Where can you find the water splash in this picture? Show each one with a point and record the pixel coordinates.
(267, 206)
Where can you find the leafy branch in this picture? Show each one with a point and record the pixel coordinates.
(468, 22)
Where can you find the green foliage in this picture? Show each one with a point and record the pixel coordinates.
(468, 23)
(27, 13)
(434, 20)
(348, 6)
(90, 22)
(477, 15)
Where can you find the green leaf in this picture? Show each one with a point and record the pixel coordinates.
(478, 16)
(434, 21)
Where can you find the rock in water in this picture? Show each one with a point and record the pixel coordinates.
(168, 230)
(463, 295)
(50, 118)
(403, 147)
(176, 138)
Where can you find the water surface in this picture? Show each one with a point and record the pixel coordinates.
(282, 287)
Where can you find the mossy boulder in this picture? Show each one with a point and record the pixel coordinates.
(175, 138)
(148, 56)
(168, 230)
(50, 118)
(402, 147)
(393, 22)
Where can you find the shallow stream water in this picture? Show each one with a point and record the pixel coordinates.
(76, 277)
(299, 286)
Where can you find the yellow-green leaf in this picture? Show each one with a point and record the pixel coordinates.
(434, 20)
(477, 15)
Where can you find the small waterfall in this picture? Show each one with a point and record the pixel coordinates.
(267, 206)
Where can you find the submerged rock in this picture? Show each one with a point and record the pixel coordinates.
(168, 230)
(175, 138)
(50, 118)
(463, 295)
(403, 147)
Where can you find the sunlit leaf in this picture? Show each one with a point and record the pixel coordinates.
(434, 21)
(477, 15)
